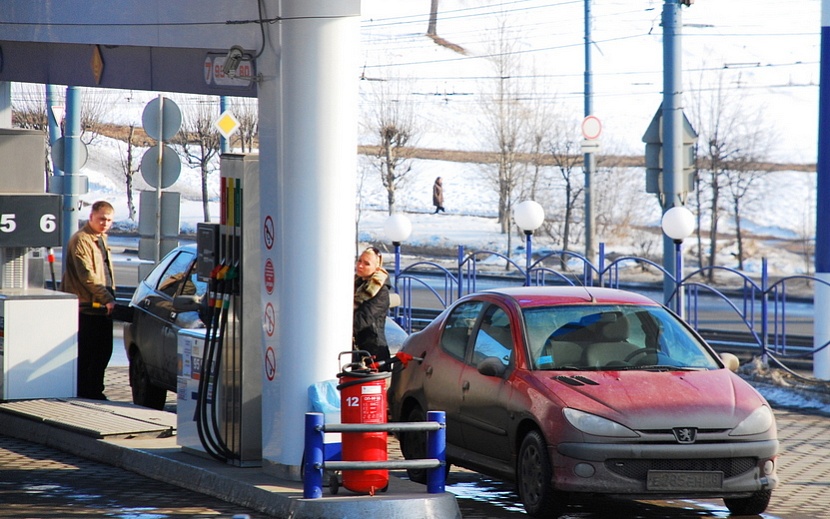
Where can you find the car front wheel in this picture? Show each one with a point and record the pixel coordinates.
(144, 392)
(534, 476)
(752, 505)
(414, 445)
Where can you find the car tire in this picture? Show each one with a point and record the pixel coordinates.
(414, 445)
(534, 474)
(144, 392)
(755, 504)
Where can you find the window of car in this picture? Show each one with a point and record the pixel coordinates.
(598, 336)
(175, 274)
(494, 337)
(458, 328)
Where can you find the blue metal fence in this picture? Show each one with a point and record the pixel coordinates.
(760, 307)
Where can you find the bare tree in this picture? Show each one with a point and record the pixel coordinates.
(735, 143)
(716, 133)
(504, 120)
(129, 166)
(29, 107)
(741, 177)
(94, 107)
(29, 112)
(199, 141)
(246, 112)
(565, 150)
(390, 119)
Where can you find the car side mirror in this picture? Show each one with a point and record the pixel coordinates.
(188, 303)
(491, 367)
(730, 361)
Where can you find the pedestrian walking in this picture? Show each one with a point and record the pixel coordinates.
(438, 195)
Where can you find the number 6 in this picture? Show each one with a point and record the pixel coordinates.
(47, 223)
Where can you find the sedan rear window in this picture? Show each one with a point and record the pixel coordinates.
(612, 337)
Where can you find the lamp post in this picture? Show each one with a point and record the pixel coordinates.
(678, 223)
(528, 215)
(397, 229)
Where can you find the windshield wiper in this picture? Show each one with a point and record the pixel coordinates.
(659, 367)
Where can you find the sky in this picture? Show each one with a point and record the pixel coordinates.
(765, 53)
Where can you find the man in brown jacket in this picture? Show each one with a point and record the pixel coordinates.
(88, 275)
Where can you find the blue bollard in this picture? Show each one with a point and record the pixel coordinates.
(313, 456)
(437, 449)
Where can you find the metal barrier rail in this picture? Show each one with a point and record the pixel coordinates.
(315, 460)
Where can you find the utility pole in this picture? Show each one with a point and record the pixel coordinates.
(673, 185)
(589, 161)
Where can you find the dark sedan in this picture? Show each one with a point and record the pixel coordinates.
(572, 391)
(166, 301)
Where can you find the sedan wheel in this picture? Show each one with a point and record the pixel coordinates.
(414, 445)
(144, 392)
(534, 476)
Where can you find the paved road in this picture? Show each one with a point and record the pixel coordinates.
(40, 482)
(804, 469)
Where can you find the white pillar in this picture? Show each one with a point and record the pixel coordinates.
(5, 104)
(308, 161)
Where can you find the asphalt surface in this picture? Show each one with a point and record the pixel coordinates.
(37, 481)
(43, 482)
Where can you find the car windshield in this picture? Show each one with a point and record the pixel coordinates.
(612, 337)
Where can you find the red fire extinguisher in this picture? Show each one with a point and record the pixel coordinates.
(363, 401)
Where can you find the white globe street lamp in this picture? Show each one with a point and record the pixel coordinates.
(397, 228)
(528, 215)
(678, 223)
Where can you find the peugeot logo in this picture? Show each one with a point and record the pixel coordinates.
(685, 434)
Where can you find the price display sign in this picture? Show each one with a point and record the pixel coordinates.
(30, 220)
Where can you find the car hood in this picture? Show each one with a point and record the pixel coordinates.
(656, 400)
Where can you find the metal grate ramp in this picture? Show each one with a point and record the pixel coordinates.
(98, 419)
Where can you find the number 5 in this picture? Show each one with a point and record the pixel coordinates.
(7, 223)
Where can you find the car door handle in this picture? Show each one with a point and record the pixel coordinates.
(465, 386)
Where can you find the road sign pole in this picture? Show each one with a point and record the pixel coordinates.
(160, 143)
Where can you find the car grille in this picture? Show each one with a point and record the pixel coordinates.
(638, 469)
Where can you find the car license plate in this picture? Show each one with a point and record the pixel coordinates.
(684, 480)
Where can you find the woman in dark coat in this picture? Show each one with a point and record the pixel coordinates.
(438, 195)
(371, 304)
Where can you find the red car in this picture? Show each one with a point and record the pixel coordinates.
(572, 391)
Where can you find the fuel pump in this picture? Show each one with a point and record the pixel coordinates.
(220, 386)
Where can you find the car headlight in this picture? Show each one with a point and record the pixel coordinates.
(758, 422)
(597, 425)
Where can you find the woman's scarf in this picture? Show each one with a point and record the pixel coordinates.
(369, 288)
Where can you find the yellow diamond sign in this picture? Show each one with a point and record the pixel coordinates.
(227, 124)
